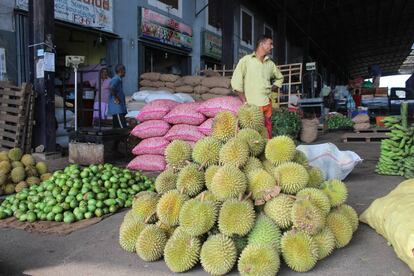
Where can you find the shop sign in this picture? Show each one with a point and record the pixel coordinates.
(92, 13)
(165, 30)
(211, 46)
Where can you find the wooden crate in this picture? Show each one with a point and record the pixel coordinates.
(373, 137)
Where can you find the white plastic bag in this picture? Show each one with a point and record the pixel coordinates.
(140, 95)
(185, 98)
(334, 163)
(162, 95)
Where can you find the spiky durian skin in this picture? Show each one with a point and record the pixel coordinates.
(197, 216)
(206, 151)
(253, 139)
(340, 227)
(260, 260)
(166, 181)
(15, 154)
(151, 243)
(268, 166)
(144, 205)
(208, 175)
(280, 149)
(325, 240)
(265, 232)
(336, 191)
(349, 213)
(128, 234)
(292, 177)
(299, 250)
(236, 217)
(228, 182)
(181, 253)
(259, 181)
(240, 242)
(190, 180)
(169, 206)
(169, 230)
(218, 254)
(301, 158)
(132, 217)
(250, 116)
(252, 164)
(235, 152)
(316, 177)
(177, 154)
(307, 217)
(279, 209)
(264, 133)
(224, 126)
(317, 197)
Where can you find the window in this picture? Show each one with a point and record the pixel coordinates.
(268, 31)
(246, 28)
(213, 16)
(174, 7)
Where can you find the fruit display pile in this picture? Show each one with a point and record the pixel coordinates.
(397, 152)
(239, 200)
(18, 171)
(338, 121)
(287, 123)
(76, 193)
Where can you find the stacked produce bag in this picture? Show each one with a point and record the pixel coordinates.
(361, 122)
(397, 152)
(237, 199)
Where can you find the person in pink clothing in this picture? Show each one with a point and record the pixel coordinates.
(105, 80)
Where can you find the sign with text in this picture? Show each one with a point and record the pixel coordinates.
(212, 44)
(160, 28)
(92, 13)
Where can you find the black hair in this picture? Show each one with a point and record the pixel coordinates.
(119, 67)
(261, 39)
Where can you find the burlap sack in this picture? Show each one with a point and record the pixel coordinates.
(211, 73)
(362, 126)
(148, 88)
(179, 82)
(166, 89)
(184, 89)
(169, 84)
(216, 82)
(197, 97)
(201, 89)
(361, 118)
(169, 77)
(309, 131)
(220, 91)
(150, 76)
(148, 83)
(207, 96)
(192, 80)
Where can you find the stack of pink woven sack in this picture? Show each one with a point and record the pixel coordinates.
(162, 121)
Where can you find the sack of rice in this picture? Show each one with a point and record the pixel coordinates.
(169, 77)
(361, 118)
(192, 80)
(179, 82)
(216, 82)
(147, 88)
(148, 83)
(150, 76)
(309, 131)
(184, 89)
(221, 91)
(211, 73)
(201, 89)
(361, 126)
(169, 84)
(207, 96)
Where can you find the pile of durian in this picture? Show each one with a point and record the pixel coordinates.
(239, 199)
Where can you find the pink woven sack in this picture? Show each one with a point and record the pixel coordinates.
(184, 132)
(215, 105)
(185, 113)
(206, 127)
(156, 110)
(151, 128)
(147, 163)
(154, 145)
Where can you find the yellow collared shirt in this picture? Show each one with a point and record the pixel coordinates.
(253, 78)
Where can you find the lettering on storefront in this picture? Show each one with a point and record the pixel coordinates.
(211, 45)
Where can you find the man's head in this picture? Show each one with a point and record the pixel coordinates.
(120, 70)
(264, 44)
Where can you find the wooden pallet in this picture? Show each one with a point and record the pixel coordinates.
(373, 137)
(373, 130)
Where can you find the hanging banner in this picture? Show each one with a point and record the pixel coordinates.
(212, 44)
(155, 26)
(91, 13)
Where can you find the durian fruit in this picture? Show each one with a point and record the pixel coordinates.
(307, 217)
(336, 191)
(250, 116)
(128, 234)
(264, 133)
(190, 180)
(131, 217)
(259, 182)
(151, 243)
(279, 209)
(228, 182)
(15, 154)
(4, 156)
(218, 254)
(178, 154)
(166, 181)
(169, 207)
(169, 230)
(31, 171)
(16, 164)
(33, 180)
(252, 164)
(3, 178)
(182, 252)
(292, 177)
(316, 177)
(349, 213)
(224, 126)
(206, 151)
(236, 217)
(268, 166)
(299, 250)
(265, 232)
(280, 149)
(240, 242)
(235, 152)
(45, 176)
(5, 167)
(28, 160)
(209, 196)
(144, 205)
(325, 240)
(210, 172)
(9, 188)
(317, 197)
(41, 168)
(260, 260)
(17, 174)
(340, 227)
(301, 158)
(253, 139)
(197, 216)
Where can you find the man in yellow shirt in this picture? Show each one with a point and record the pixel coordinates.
(256, 76)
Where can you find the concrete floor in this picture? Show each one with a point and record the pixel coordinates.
(95, 250)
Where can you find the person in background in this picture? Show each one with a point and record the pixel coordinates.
(256, 77)
(375, 74)
(105, 81)
(116, 104)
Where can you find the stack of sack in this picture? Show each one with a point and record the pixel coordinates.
(163, 121)
(62, 135)
(361, 122)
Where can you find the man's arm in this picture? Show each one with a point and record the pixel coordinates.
(278, 77)
(237, 80)
(114, 91)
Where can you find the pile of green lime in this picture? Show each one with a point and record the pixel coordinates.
(77, 193)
